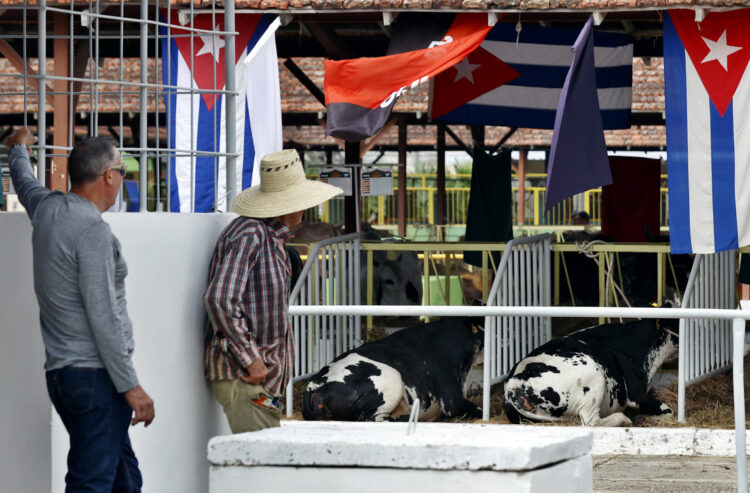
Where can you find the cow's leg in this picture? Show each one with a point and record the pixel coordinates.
(391, 388)
(615, 419)
(590, 414)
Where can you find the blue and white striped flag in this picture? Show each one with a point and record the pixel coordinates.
(198, 182)
(707, 92)
(542, 57)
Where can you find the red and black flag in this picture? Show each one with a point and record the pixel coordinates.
(360, 93)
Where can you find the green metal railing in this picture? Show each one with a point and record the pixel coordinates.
(421, 204)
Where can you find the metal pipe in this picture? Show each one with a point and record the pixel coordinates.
(738, 389)
(143, 121)
(681, 376)
(290, 398)
(97, 16)
(518, 311)
(230, 102)
(486, 373)
(41, 168)
(171, 158)
(184, 90)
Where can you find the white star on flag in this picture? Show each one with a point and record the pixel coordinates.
(465, 70)
(720, 50)
(211, 44)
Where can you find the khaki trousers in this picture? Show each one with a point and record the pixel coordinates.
(236, 397)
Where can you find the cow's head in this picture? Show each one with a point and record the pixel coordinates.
(396, 278)
(663, 347)
(474, 328)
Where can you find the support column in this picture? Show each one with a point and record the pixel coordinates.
(402, 178)
(143, 120)
(440, 220)
(477, 135)
(41, 170)
(58, 171)
(230, 102)
(352, 203)
(521, 174)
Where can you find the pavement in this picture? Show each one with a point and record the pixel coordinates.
(663, 474)
(663, 460)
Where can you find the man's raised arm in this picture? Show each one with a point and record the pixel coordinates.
(30, 191)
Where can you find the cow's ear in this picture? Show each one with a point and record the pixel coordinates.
(657, 324)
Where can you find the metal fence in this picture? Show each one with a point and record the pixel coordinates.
(523, 279)
(706, 344)
(107, 74)
(330, 277)
(738, 317)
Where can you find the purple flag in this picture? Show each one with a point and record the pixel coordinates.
(578, 155)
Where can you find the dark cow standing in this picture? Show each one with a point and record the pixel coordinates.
(379, 380)
(593, 373)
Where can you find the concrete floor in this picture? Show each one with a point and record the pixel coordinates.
(663, 474)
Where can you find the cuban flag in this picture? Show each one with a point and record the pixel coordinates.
(515, 79)
(707, 92)
(196, 123)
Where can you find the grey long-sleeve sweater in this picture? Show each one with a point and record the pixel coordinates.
(79, 279)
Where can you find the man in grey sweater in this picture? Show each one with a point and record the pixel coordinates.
(79, 279)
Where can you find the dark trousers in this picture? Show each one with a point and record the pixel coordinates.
(97, 418)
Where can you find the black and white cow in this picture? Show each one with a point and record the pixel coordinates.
(594, 373)
(379, 380)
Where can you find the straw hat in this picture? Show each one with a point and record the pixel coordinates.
(283, 188)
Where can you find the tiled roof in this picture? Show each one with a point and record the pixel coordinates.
(375, 5)
(523, 5)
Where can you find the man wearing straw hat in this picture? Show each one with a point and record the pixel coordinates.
(249, 347)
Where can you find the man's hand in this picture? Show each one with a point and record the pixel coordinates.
(142, 404)
(22, 136)
(257, 373)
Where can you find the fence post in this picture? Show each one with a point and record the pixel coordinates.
(430, 207)
(738, 331)
(369, 288)
(557, 278)
(41, 157)
(143, 117)
(230, 104)
(601, 282)
(681, 368)
(426, 280)
(660, 271)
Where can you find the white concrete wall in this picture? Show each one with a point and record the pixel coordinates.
(167, 256)
(24, 405)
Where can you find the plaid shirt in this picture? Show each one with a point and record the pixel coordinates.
(247, 301)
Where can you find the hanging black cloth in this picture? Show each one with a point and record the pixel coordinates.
(744, 274)
(490, 214)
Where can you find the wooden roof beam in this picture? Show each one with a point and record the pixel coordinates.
(16, 61)
(331, 42)
(503, 140)
(301, 76)
(370, 143)
(457, 140)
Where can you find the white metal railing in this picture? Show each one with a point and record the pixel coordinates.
(523, 279)
(330, 277)
(705, 344)
(738, 334)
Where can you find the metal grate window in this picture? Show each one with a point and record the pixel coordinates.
(100, 69)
